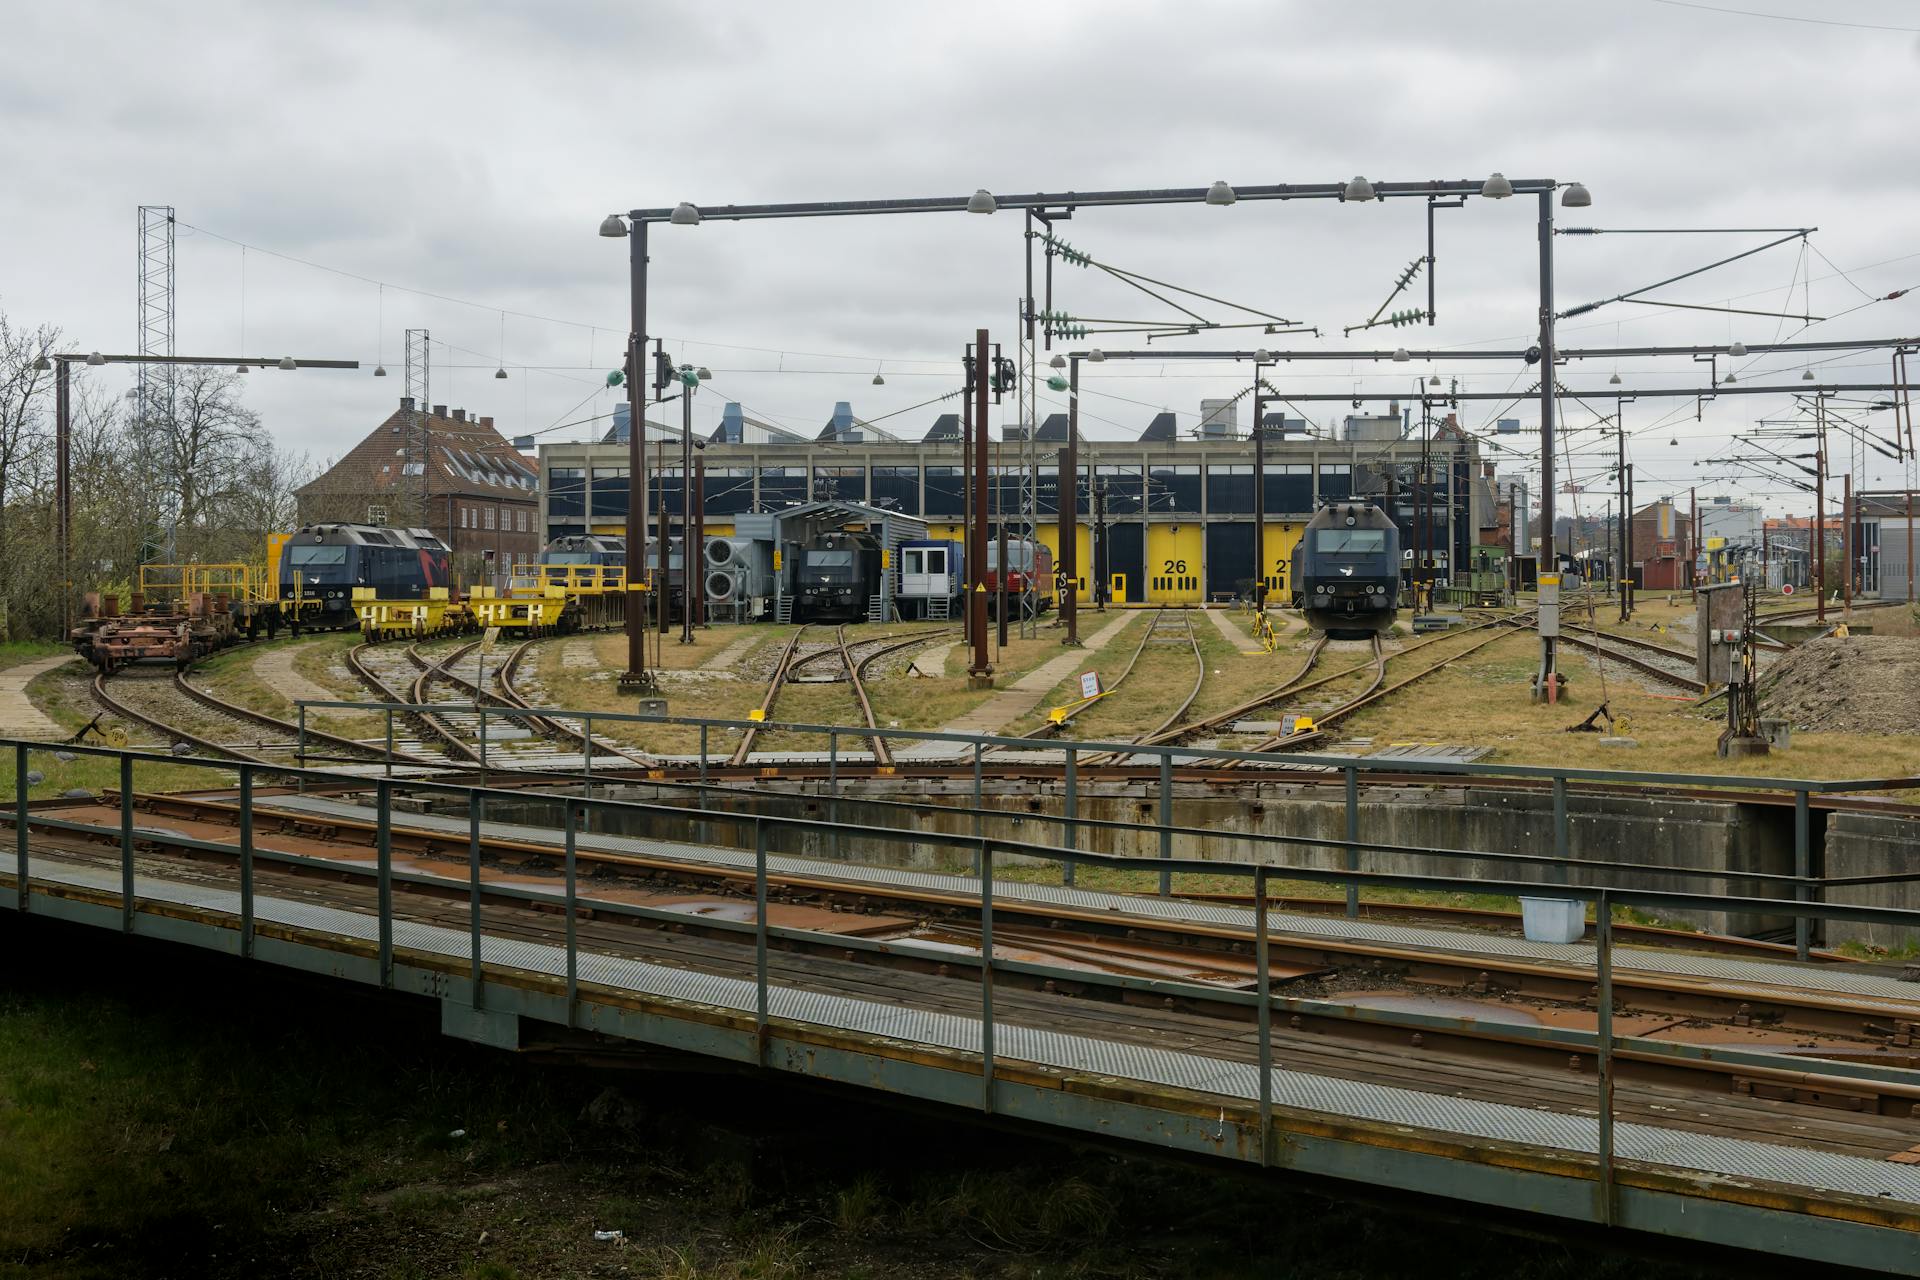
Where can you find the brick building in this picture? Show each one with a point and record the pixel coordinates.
(444, 471)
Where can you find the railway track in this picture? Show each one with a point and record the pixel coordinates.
(853, 672)
(535, 742)
(1670, 667)
(390, 675)
(916, 928)
(1181, 636)
(567, 728)
(167, 702)
(1377, 687)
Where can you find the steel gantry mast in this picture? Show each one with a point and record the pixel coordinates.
(419, 416)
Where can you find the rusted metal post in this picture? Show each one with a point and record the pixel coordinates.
(980, 670)
(1263, 987)
(126, 844)
(1072, 811)
(20, 825)
(389, 741)
(1846, 540)
(1069, 522)
(1603, 951)
(62, 488)
(573, 899)
(637, 676)
(1259, 507)
(1166, 820)
(1353, 839)
(383, 872)
(1818, 543)
(1802, 870)
(246, 861)
(1561, 844)
(760, 1014)
(474, 977)
(986, 976)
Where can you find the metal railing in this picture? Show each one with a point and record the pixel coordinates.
(1805, 885)
(754, 830)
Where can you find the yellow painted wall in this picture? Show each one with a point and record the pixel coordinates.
(1279, 544)
(1083, 550)
(1173, 563)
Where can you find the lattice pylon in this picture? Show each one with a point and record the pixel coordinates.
(419, 442)
(155, 300)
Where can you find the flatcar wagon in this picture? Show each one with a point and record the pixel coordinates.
(933, 579)
(1346, 570)
(323, 563)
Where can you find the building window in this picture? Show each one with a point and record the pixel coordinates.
(1336, 481)
(506, 519)
(1173, 487)
(1289, 488)
(782, 486)
(729, 490)
(611, 491)
(946, 492)
(521, 520)
(1123, 488)
(1230, 488)
(840, 484)
(566, 491)
(897, 489)
(463, 517)
(376, 514)
(489, 517)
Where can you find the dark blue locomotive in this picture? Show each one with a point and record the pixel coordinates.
(835, 579)
(321, 565)
(1346, 570)
(584, 548)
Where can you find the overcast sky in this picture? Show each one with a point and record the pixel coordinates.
(470, 151)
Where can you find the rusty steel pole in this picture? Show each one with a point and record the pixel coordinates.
(1818, 542)
(689, 380)
(1069, 524)
(1846, 540)
(1259, 497)
(980, 670)
(636, 675)
(62, 492)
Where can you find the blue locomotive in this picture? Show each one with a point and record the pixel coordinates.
(1346, 570)
(933, 579)
(835, 578)
(322, 564)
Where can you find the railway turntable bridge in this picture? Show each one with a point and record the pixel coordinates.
(1743, 1098)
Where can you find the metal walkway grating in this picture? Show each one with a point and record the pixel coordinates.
(1834, 978)
(1384, 1104)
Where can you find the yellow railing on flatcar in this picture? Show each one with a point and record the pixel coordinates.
(577, 578)
(234, 580)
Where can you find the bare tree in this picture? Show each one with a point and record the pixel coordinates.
(198, 438)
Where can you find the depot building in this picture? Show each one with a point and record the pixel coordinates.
(1165, 518)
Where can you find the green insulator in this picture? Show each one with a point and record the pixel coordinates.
(1057, 383)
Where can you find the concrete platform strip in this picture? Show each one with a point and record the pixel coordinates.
(1381, 1104)
(1832, 979)
(19, 718)
(1021, 697)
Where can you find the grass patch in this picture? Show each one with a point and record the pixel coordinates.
(15, 652)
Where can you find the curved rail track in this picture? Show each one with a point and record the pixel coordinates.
(362, 660)
(854, 672)
(1053, 728)
(177, 694)
(1596, 642)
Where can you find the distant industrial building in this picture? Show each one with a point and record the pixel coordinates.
(1174, 505)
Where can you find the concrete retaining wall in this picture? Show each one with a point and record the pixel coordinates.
(1680, 833)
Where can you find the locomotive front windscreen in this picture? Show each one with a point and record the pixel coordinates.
(829, 559)
(1350, 542)
(303, 557)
